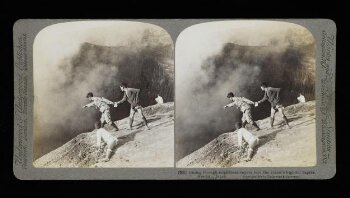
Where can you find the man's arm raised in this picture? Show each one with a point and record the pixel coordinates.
(134, 90)
(275, 89)
(229, 105)
(88, 105)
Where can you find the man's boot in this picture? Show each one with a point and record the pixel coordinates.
(286, 121)
(271, 121)
(107, 157)
(250, 155)
(114, 127)
(130, 123)
(102, 124)
(146, 125)
(244, 124)
(256, 126)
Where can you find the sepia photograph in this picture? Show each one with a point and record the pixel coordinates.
(174, 99)
(103, 95)
(245, 95)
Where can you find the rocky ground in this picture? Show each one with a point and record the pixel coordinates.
(135, 148)
(279, 146)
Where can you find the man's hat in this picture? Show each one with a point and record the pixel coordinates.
(90, 94)
(230, 95)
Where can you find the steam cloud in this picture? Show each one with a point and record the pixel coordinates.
(287, 62)
(145, 63)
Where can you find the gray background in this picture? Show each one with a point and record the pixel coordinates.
(23, 168)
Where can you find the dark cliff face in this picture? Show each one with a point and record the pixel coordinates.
(242, 69)
(101, 69)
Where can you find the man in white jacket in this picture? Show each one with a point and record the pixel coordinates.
(103, 136)
(243, 135)
(243, 104)
(102, 104)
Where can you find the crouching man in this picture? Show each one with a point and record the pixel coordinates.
(105, 137)
(245, 136)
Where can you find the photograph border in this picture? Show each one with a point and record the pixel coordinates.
(24, 33)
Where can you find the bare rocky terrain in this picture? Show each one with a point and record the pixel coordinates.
(279, 146)
(135, 148)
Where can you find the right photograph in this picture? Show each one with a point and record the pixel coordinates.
(245, 95)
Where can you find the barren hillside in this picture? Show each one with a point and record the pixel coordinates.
(135, 148)
(279, 146)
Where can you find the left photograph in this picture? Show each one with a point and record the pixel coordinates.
(103, 95)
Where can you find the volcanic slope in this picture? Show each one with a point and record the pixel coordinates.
(279, 146)
(135, 148)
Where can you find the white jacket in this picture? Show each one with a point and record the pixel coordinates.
(100, 103)
(241, 103)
